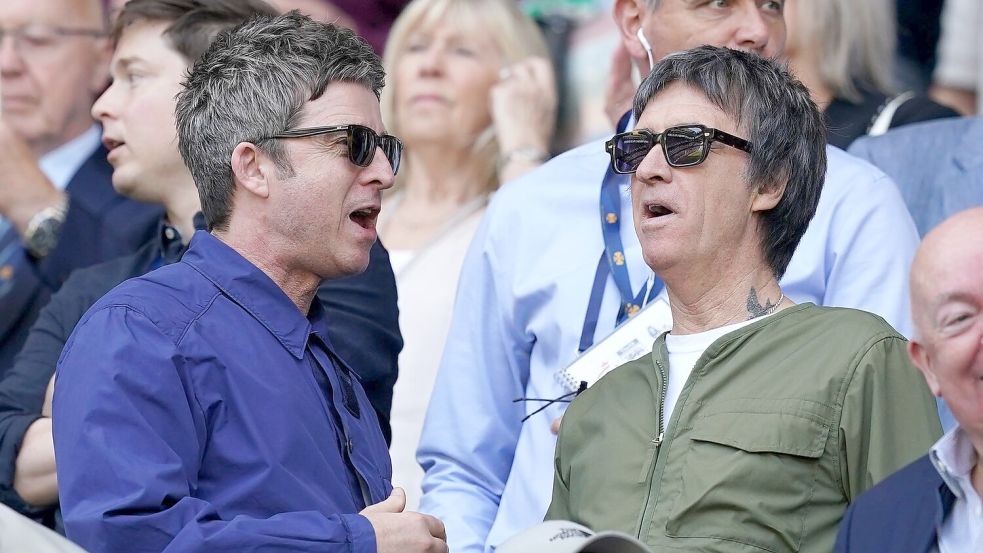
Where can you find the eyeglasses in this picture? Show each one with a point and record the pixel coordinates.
(361, 143)
(37, 38)
(683, 146)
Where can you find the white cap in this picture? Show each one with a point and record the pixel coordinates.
(563, 536)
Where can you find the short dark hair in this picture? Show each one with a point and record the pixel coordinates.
(193, 23)
(782, 123)
(253, 82)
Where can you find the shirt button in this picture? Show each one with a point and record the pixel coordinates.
(169, 233)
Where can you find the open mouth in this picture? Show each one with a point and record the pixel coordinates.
(655, 210)
(111, 144)
(365, 218)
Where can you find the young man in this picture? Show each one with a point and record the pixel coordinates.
(233, 422)
(156, 43)
(58, 211)
(934, 504)
(532, 274)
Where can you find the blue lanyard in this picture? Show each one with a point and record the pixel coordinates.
(613, 259)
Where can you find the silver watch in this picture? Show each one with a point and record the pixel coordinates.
(44, 229)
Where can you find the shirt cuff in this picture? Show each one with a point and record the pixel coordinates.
(360, 533)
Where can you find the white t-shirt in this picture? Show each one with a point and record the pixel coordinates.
(684, 351)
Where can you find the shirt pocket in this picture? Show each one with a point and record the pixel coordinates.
(748, 477)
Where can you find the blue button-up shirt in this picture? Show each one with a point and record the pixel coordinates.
(189, 416)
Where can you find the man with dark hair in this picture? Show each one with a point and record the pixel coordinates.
(270, 439)
(156, 42)
(58, 211)
(754, 421)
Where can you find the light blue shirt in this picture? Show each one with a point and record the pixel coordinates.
(522, 297)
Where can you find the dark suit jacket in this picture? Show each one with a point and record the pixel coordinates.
(899, 515)
(99, 225)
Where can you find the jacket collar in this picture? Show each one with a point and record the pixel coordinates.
(170, 243)
(255, 292)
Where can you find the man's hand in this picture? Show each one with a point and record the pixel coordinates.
(24, 190)
(399, 532)
(555, 425)
(621, 86)
(524, 111)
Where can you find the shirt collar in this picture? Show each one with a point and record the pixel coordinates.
(255, 292)
(61, 164)
(169, 240)
(954, 458)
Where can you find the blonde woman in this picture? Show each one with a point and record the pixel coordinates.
(471, 94)
(843, 51)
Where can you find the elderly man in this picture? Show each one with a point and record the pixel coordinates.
(58, 210)
(935, 504)
(539, 286)
(156, 42)
(754, 421)
(202, 407)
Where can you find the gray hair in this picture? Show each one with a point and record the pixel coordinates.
(854, 41)
(253, 82)
(781, 121)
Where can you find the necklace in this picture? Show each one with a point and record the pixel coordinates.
(770, 310)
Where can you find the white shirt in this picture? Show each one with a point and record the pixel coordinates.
(61, 164)
(684, 351)
(954, 457)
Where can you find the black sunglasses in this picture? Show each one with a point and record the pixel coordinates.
(683, 146)
(361, 143)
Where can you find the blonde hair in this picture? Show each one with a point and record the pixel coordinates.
(855, 42)
(514, 34)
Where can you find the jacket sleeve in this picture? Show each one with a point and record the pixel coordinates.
(129, 436)
(472, 426)
(843, 535)
(560, 503)
(889, 417)
(21, 397)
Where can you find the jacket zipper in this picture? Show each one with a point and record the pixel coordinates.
(657, 442)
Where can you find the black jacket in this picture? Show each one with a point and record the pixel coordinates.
(899, 515)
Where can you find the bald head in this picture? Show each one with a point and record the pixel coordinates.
(949, 259)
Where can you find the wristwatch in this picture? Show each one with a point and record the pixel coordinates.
(44, 229)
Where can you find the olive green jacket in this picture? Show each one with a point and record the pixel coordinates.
(779, 426)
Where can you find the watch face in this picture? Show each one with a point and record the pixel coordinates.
(45, 236)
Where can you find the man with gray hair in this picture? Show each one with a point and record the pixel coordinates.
(202, 407)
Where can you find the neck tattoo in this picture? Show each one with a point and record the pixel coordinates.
(755, 309)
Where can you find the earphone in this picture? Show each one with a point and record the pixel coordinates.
(647, 46)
